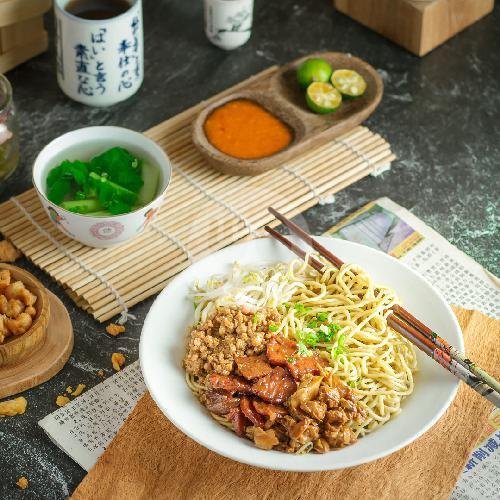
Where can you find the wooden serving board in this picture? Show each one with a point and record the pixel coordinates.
(280, 94)
(48, 360)
(150, 458)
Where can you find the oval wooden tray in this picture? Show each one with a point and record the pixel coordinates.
(280, 94)
(48, 360)
(15, 349)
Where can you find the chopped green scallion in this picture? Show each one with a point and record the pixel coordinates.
(302, 349)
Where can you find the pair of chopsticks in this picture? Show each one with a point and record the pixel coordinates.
(402, 321)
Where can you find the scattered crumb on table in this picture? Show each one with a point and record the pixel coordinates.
(22, 483)
(13, 407)
(79, 389)
(114, 329)
(69, 389)
(62, 400)
(117, 360)
(100, 373)
(8, 252)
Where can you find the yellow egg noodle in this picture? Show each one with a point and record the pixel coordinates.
(373, 359)
(364, 352)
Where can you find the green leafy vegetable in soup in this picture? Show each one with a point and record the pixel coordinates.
(113, 182)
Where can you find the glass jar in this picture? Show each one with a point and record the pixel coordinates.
(9, 131)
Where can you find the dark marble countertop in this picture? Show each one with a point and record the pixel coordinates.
(441, 115)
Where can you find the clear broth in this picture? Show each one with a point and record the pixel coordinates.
(97, 9)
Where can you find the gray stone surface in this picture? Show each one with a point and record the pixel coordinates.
(441, 115)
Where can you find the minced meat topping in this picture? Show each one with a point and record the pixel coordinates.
(228, 333)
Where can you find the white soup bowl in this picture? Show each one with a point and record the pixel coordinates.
(83, 144)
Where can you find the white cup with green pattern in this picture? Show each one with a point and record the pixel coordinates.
(228, 23)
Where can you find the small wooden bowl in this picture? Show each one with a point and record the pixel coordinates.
(236, 166)
(281, 95)
(16, 349)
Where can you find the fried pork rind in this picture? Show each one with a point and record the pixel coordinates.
(22, 483)
(4, 304)
(13, 407)
(8, 252)
(4, 279)
(4, 331)
(304, 431)
(17, 290)
(321, 445)
(114, 329)
(79, 389)
(62, 400)
(13, 290)
(16, 307)
(339, 436)
(117, 360)
(31, 311)
(13, 308)
(329, 395)
(316, 409)
(19, 325)
(264, 439)
(307, 390)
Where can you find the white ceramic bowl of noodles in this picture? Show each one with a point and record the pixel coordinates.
(162, 348)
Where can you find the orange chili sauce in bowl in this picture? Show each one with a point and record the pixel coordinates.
(243, 129)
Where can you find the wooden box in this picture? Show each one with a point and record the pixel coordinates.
(22, 35)
(417, 25)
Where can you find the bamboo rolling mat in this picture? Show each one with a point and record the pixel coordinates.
(150, 458)
(203, 212)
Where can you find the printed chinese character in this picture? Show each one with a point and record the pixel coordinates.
(480, 454)
(124, 46)
(84, 86)
(491, 445)
(99, 37)
(81, 52)
(135, 25)
(124, 61)
(129, 60)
